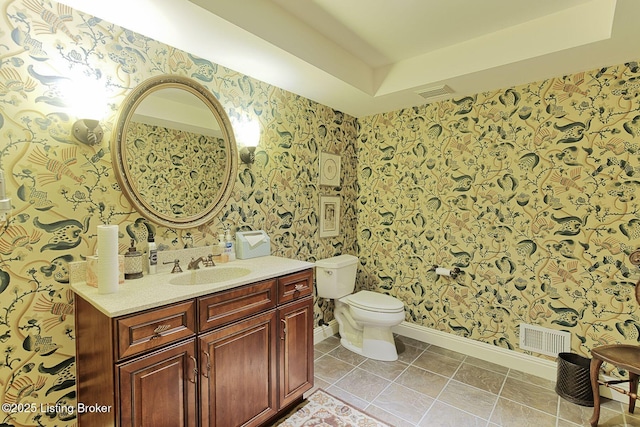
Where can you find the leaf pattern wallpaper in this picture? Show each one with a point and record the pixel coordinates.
(531, 191)
(61, 189)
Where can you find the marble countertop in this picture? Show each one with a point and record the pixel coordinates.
(155, 290)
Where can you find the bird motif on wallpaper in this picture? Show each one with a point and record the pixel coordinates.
(11, 81)
(60, 310)
(568, 88)
(562, 275)
(52, 22)
(541, 224)
(15, 237)
(179, 61)
(23, 388)
(616, 145)
(567, 183)
(544, 135)
(610, 244)
(57, 168)
(539, 311)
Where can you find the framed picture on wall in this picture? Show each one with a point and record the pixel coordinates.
(329, 216)
(329, 169)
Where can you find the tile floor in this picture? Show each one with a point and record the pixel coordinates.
(432, 386)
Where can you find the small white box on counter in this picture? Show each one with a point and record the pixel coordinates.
(252, 244)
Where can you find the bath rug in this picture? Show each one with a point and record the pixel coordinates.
(321, 409)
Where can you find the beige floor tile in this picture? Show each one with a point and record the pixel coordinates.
(388, 370)
(403, 402)
(437, 363)
(363, 384)
(409, 354)
(494, 367)
(581, 415)
(331, 369)
(532, 379)
(446, 352)
(508, 413)
(469, 399)
(481, 378)
(400, 340)
(531, 395)
(347, 356)
(386, 417)
(423, 381)
(461, 388)
(347, 397)
(325, 346)
(443, 415)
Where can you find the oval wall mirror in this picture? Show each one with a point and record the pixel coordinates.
(174, 152)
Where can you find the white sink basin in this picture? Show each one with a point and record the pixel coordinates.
(209, 276)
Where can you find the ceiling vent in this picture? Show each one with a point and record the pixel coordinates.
(434, 92)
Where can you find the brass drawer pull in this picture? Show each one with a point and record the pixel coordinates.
(206, 374)
(195, 370)
(157, 332)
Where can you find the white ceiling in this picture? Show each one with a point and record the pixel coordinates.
(369, 56)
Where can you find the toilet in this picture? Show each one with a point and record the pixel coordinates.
(365, 318)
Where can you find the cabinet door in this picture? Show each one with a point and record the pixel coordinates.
(159, 389)
(295, 350)
(238, 373)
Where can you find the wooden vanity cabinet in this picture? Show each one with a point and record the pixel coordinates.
(238, 357)
(159, 389)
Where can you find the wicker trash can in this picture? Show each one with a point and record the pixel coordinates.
(573, 382)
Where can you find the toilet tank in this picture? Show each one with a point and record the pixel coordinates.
(336, 277)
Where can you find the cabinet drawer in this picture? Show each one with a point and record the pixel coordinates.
(294, 286)
(152, 329)
(226, 306)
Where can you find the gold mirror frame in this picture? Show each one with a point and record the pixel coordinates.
(119, 151)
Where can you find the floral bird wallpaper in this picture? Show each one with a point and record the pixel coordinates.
(531, 191)
(61, 189)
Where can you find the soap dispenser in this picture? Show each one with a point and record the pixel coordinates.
(133, 263)
(222, 250)
(229, 246)
(153, 254)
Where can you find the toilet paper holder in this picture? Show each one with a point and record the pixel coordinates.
(441, 271)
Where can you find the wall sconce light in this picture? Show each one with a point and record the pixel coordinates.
(5, 202)
(248, 137)
(88, 131)
(248, 155)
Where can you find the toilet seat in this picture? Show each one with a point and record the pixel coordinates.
(376, 302)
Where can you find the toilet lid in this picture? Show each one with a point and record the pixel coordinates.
(373, 301)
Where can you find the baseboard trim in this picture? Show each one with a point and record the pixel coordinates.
(321, 333)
